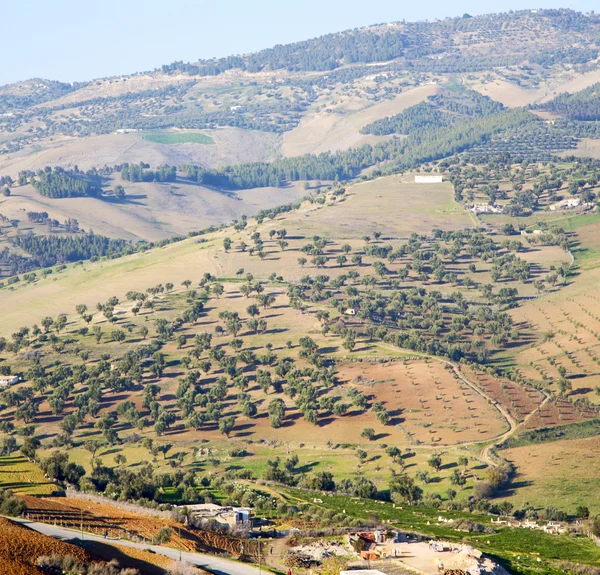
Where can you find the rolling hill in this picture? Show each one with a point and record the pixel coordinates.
(347, 282)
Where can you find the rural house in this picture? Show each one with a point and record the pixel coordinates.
(6, 380)
(428, 179)
(230, 517)
(565, 204)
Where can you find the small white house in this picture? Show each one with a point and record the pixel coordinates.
(565, 204)
(486, 209)
(226, 516)
(429, 179)
(350, 311)
(6, 380)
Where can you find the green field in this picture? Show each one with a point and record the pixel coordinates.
(170, 138)
(23, 477)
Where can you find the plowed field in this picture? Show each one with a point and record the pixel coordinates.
(20, 547)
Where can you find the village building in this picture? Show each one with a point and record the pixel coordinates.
(486, 209)
(7, 380)
(230, 517)
(565, 204)
(428, 179)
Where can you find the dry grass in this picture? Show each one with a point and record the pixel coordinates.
(150, 211)
(337, 127)
(231, 146)
(560, 473)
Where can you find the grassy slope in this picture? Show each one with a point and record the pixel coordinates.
(150, 211)
(416, 208)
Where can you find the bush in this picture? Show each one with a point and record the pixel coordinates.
(9, 504)
(163, 535)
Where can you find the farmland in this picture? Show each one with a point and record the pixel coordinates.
(23, 477)
(20, 547)
(354, 375)
(170, 138)
(437, 408)
(224, 282)
(541, 472)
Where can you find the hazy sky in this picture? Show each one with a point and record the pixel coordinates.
(83, 39)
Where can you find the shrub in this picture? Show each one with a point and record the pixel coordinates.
(163, 535)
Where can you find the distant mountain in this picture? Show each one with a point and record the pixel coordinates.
(378, 99)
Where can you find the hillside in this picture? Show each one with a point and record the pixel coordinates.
(312, 97)
(348, 283)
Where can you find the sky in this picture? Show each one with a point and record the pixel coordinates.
(78, 40)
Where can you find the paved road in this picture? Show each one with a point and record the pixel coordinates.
(217, 565)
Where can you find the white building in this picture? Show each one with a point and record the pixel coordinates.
(6, 380)
(227, 516)
(565, 204)
(486, 209)
(429, 179)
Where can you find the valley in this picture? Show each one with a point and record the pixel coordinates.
(346, 286)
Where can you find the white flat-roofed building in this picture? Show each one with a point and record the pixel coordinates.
(429, 179)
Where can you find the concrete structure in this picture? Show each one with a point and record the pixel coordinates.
(227, 516)
(566, 204)
(7, 380)
(430, 179)
(486, 209)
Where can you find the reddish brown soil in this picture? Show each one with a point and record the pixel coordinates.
(103, 518)
(558, 412)
(20, 547)
(519, 400)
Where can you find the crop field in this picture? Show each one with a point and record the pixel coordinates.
(23, 477)
(570, 344)
(21, 546)
(519, 400)
(171, 138)
(434, 406)
(100, 519)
